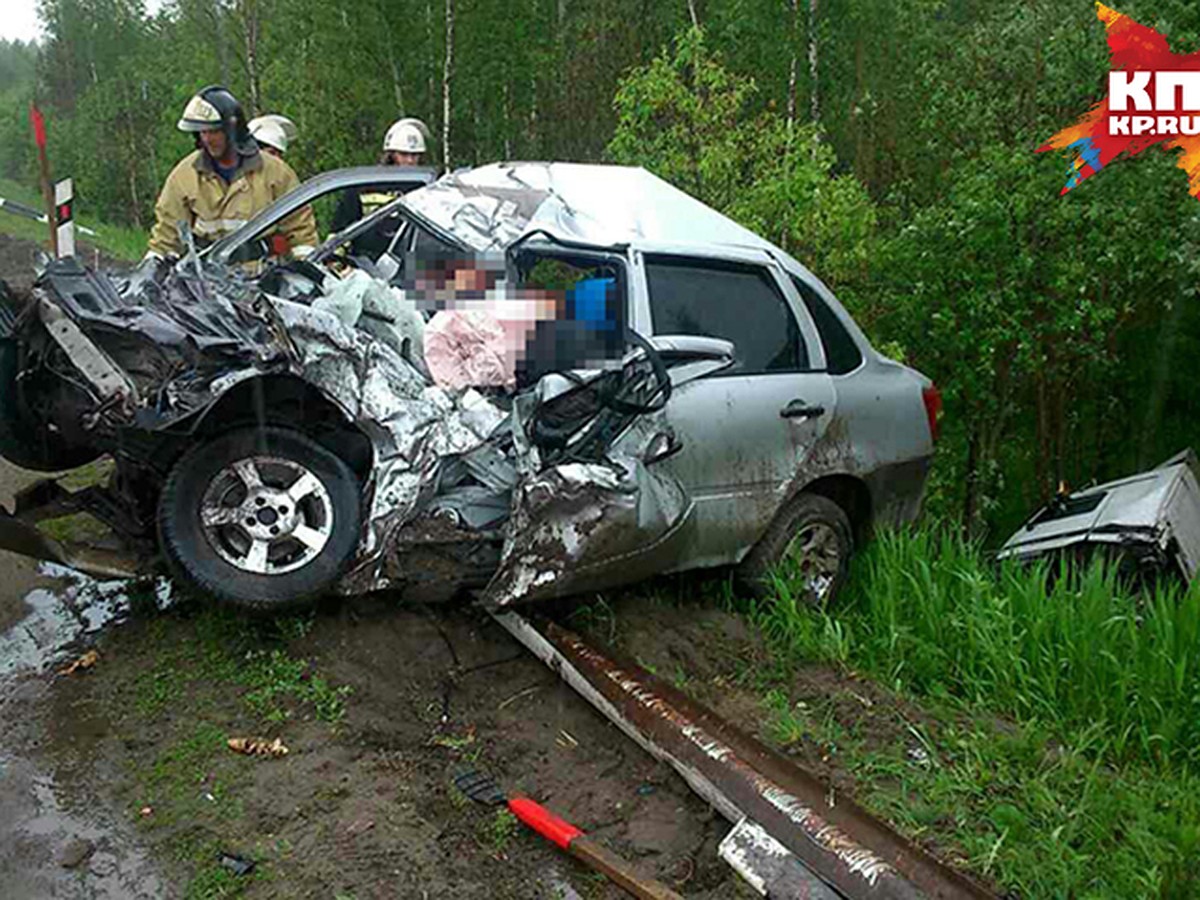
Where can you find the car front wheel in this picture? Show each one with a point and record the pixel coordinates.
(808, 545)
(265, 518)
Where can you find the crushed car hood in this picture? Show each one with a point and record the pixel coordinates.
(471, 461)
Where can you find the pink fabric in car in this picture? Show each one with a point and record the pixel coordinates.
(468, 348)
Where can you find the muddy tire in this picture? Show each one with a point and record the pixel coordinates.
(810, 542)
(265, 518)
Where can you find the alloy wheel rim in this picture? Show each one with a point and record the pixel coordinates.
(815, 554)
(266, 516)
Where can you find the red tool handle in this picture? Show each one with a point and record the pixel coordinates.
(544, 822)
(579, 845)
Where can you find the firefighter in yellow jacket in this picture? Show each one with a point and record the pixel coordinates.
(223, 183)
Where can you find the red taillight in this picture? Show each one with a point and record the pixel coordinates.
(933, 409)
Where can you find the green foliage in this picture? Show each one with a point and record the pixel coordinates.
(275, 676)
(118, 241)
(1039, 816)
(497, 831)
(1087, 787)
(215, 883)
(276, 685)
(18, 64)
(690, 120)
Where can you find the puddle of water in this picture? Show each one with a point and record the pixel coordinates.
(40, 820)
(61, 615)
(35, 831)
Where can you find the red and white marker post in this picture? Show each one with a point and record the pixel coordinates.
(64, 201)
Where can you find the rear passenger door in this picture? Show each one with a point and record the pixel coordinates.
(747, 430)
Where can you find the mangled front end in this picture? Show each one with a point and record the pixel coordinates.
(531, 494)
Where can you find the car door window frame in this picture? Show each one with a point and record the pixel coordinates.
(306, 194)
(793, 281)
(618, 259)
(642, 313)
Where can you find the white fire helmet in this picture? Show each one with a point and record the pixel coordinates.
(273, 131)
(200, 115)
(406, 136)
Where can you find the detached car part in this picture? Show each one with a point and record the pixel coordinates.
(1150, 521)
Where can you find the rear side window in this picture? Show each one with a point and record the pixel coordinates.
(841, 353)
(736, 302)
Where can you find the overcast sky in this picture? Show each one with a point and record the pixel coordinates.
(20, 20)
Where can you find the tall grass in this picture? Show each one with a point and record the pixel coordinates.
(930, 614)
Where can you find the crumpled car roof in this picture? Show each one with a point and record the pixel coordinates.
(492, 206)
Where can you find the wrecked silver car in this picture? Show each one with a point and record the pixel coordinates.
(1150, 522)
(672, 392)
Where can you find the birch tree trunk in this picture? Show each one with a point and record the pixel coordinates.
(447, 74)
(431, 90)
(814, 93)
(533, 104)
(219, 32)
(397, 85)
(250, 27)
(794, 6)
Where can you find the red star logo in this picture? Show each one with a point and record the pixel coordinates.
(1103, 133)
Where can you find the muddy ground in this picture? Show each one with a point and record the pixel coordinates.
(116, 781)
(121, 770)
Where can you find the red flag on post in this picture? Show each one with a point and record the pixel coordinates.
(39, 125)
(39, 136)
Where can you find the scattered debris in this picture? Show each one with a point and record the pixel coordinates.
(768, 866)
(84, 662)
(258, 747)
(566, 740)
(360, 826)
(518, 695)
(482, 788)
(146, 812)
(454, 742)
(920, 756)
(238, 865)
(75, 853)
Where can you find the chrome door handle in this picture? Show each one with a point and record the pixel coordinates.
(798, 409)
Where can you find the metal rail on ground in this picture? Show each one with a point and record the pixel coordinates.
(844, 846)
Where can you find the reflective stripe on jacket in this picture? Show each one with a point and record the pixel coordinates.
(196, 194)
